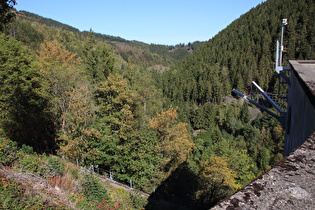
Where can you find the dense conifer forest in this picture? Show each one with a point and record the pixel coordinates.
(161, 116)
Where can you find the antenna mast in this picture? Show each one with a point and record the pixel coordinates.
(280, 49)
(284, 23)
(279, 69)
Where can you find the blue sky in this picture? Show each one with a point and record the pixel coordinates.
(166, 22)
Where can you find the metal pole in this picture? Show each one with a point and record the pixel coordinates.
(281, 45)
(284, 22)
(267, 97)
(277, 58)
(255, 103)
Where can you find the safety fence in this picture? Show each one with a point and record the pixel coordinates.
(110, 176)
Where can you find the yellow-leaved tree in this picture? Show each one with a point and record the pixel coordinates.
(174, 139)
(70, 97)
(77, 130)
(218, 179)
(218, 171)
(60, 69)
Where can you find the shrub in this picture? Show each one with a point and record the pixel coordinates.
(8, 151)
(74, 173)
(94, 190)
(27, 149)
(55, 167)
(122, 198)
(30, 163)
(138, 201)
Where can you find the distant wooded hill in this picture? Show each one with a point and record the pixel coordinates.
(176, 52)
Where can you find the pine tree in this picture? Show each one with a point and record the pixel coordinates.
(98, 61)
(25, 116)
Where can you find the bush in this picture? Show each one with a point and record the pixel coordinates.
(55, 167)
(30, 163)
(8, 151)
(93, 189)
(94, 194)
(74, 172)
(27, 149)
(138, 201)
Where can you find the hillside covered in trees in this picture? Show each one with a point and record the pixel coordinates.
(161, 116)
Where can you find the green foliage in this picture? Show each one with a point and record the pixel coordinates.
(141, 80)
(138, 202)
(118, 105)
(239, 54)
(237, 143)
(264, 159)
(97, 59)
(29, 163)
(25, 32)
(93, 190)
(31, 17)
(8, 150)
(56, 167)
(23, 103)
(27, 149)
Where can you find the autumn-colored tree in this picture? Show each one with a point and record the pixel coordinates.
(118, 105)
(71, 98)
(77, 131)
(218, 171)
(175, 140)
(80, 110)
(217, 179)
(58, 67)
(238, 159)
(52, 53)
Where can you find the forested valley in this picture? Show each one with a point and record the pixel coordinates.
(161, 116)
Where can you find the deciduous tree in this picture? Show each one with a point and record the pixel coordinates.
(175, 140)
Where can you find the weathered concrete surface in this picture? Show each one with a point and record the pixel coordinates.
(306, 71)
(300, 120)
(288, 185)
